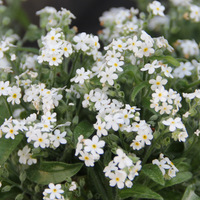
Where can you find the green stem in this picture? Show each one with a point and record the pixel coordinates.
(7, 106)
(73, 68)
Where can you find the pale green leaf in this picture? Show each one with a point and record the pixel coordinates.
(137, 89)
(190, 194)
(180, 177)
(139, 191)
(83, 128)
(52, 172)
(7, 146)
(154, 173)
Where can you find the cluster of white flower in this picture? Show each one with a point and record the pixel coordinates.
(174, 124)
(25, 157)
(5, 44)
(28, 62)
(183, 70)
(41, 97)
(89, 150)
(123, 22)
(54, 47)
(167, 168)
(151, 68)
(157, 8)
(189, 48)
(54, 18)
(37, 132)
(181, 2)
(87, 43)
(195, 94)
(121, 170)
(164, 101)
(53, 192)
(112, 115)
(13, 93)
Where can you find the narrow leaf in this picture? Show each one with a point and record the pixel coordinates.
(7, 146)
(190, 194)
(52, 172)
(137, 89)
(168, 60)
(154, 173)
(180, 177)
(139, 191)
(83, 128)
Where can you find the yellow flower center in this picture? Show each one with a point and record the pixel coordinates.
(11, 131)
(86, 158)
(54, 58)
(144, 137)
(117, 179)
(94, 146)
(14, 96)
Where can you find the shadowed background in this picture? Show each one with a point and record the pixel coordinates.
(87, 12)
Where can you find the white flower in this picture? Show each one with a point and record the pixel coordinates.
(151, 67)
(94, 146)
(58, 138)
(183, 70)
(10, 130)
(81, 41)
(116, 64)
(161, 164)
(145, 50)
(81, 76)
(195, 13)
(165, 108)
(79, 145)
(113, 121)
(133, 44)
(197, 132)
(51, 117)
(144, 137)
(14, 95)
(4, 88)
(160, 95)
(157, 8)
(55, 191)
(108, 76)
(40, 140)
(117, 178)
(173, 123)
(87, 158)
(137, 145)
(157, 83)
(73, 186)
(122, 160)
(26, 156)
(100, 127)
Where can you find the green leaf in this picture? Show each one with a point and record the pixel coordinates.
(52, 172)
(168, 60)
(83, 128)
(7, 146)
(180, 177)
(139, 191)
(189, 194)
(154, 173)
(137, 89)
